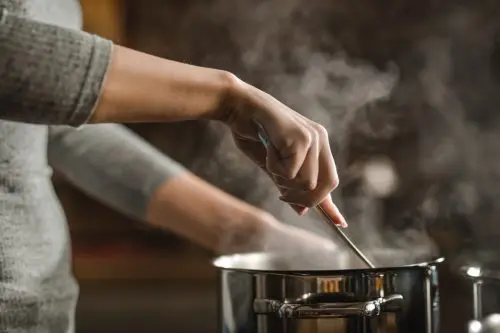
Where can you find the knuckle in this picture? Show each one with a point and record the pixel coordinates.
(289, 144)
(320, 130)
(289, 173)
(333, 181)
(315, 137)
(304, 137)
(329, 183)
(311, 185)
(331, 177)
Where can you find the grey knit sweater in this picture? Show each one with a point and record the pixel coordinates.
(50, 79)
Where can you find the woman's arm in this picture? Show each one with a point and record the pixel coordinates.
(144, 88)
(202, 213)
(54, 75)
(114, 165)
(117, 167)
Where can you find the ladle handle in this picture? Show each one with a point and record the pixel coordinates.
(297, 309)
(345, 238)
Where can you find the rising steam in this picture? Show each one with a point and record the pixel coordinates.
(415, 137)
(328, 87)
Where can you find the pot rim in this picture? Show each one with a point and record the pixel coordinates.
(222, 263)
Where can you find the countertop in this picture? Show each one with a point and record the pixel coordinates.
(147, 306)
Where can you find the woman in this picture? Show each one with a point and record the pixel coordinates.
(55, 79)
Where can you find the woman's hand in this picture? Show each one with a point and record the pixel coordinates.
(297, 156)
(143, 88)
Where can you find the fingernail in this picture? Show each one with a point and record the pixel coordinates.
(342, 223)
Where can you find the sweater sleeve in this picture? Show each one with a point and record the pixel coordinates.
(49, 74)
(112, 164)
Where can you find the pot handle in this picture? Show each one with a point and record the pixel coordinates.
(314, 306)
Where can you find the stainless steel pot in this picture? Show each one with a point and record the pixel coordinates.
(263, 293)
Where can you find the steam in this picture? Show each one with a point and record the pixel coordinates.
(415, 140)
(329, 88)
(310, 73)
(459, 151)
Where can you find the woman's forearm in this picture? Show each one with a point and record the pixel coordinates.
(202, 213)
(205, 215)
(144, 88)
(85, 78)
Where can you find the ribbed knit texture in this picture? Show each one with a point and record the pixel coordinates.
(31, 89)
(52, 75)
(111, 162)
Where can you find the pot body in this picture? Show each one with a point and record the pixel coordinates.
(260, 294)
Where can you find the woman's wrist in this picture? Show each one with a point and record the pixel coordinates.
(250, 234)
(143, 88)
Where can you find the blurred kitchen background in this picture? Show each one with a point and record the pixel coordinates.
(422, 161)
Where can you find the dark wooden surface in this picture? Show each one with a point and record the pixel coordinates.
(147, 306)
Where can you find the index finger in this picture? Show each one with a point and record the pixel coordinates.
(333, 212)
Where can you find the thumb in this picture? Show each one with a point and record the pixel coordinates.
(333, 212)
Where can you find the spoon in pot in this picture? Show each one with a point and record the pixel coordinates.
(326, 217)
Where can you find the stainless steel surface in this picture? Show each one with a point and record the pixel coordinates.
(311, 305)
(478, 273)
(345, 238)
(477, 300)
(490, 324)
(480, 278)
(263, 293)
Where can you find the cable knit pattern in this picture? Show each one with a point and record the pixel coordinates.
(50, 79)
